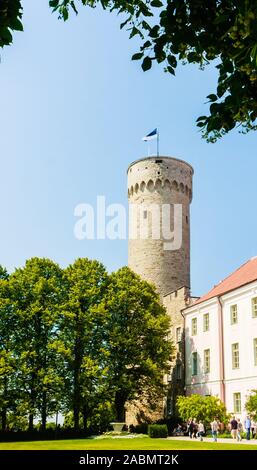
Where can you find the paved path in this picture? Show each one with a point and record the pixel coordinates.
(221, 440)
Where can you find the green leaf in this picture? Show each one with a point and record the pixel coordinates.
(171, 70)
(201, 118)
(212, 97)
(146, 44)
(17, 25)
(172, 60)
(147, 64)
(154, 31)
(54, 3)
(137, 56)
(156, 3)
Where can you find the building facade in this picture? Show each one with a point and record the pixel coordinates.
(215, 335)
(221, 340)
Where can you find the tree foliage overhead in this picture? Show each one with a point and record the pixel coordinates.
(196, 31)
(10, 20)
(185, 31)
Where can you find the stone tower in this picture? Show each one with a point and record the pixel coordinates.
(157, 185)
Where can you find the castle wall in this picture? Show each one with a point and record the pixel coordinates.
(154, 182)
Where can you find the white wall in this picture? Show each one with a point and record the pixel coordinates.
(241, 380)
(202, 383)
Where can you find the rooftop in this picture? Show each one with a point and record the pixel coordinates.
(246, 274)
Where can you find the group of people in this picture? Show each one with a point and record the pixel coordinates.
(236, 428)
(195, 429)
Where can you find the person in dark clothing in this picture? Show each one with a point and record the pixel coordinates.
(190, 428)
(233, 427)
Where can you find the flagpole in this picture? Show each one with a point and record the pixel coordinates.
(158, 143)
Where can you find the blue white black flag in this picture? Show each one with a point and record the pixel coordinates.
(151, 136)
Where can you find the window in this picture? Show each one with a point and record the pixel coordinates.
(235, 356)
(194, 363)
(179, 372)
(206, 361)
(237, 402)
(178, 334)
(255, 351)
(206, 322)
(194, 326)
(233, 314)
(254, 307)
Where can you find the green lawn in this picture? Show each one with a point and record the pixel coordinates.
(144, 443)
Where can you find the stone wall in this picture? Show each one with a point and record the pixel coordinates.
(154, 182)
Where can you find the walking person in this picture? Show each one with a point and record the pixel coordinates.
(201, 430)
(195, 429)
(253, 429)
(248, 428)
(239, 431)
(214, 429)
(190, 428)
(233, 428)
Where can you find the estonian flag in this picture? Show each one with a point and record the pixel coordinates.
(151, 136)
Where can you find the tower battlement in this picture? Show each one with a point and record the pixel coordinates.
(160, 181)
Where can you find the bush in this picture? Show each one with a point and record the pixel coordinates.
(141, 428)
(158, 430)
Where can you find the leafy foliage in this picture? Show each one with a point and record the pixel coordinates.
(204, 408)
(184, 31)
(158, 430)
(200, 32)
(251, 405)
(81, 338)
(10, 20)
(77, 340)
(35, 294)
(138, 350)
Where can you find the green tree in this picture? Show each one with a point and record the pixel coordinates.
(81, 340)
(204, 408)
(10, 20)
(36, 294)
(7, 361)
(139, 352)
(185, 31)
(251, 405)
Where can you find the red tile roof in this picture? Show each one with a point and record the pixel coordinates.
(244, 275)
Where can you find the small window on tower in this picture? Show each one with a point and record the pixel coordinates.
(145, 214)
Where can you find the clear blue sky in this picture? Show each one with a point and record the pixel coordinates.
(73, 110)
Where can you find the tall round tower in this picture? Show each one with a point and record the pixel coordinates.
(160, 192)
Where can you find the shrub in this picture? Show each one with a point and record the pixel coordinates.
(158, 430)
(141, 428)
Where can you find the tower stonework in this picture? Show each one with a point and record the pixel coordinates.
(158, 182)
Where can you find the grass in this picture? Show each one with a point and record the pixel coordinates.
(144, 443)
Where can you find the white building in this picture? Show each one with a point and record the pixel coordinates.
(221, 340)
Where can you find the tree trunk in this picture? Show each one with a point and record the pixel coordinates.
(85, 416)
(32, 401)
(76, 397)
(43, 412)
(4, 409)
(3, 418)
(120, 407)
(31, 421)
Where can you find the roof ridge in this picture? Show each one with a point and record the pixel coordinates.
(223, 286)
(233, 272)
